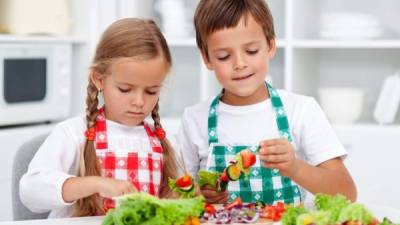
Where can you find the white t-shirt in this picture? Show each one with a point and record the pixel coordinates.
(58, 159)
(314, 138)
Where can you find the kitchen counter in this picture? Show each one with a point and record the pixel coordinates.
(378, 210)
(95, 220)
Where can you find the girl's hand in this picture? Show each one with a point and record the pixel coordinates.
(110, 187)
(279, 154)
(212, 196)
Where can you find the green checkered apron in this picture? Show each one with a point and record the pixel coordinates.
(263, 184)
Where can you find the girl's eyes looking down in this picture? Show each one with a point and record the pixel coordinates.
(147, 91)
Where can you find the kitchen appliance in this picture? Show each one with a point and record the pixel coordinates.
(35, 17)
(35, 82)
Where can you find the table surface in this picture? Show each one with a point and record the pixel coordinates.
(378, 211)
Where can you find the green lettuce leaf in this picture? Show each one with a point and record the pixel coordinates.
(332, 204)
(207, 177)
(317, 218)
(109, 218)
(142, 208)
(356, 212)
(291, 214)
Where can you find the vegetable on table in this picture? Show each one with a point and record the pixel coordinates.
(331, 210)
(142, 208)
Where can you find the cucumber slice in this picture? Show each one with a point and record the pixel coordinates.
(187, 189)
(233, 172)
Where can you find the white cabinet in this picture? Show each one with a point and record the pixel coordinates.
(373, 160)
(304, 62)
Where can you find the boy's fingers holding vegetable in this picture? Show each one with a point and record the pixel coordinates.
(272, 142)
(278, 149)
(213, 196)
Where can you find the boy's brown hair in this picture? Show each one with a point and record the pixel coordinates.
(214, 15)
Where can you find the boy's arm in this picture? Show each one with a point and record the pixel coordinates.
(316, 142)
(330, 177)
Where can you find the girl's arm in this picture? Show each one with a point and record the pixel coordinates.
(80, 187)
(55, 161)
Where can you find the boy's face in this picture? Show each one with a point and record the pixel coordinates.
(240, 58)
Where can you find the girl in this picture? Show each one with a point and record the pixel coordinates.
(112, 149)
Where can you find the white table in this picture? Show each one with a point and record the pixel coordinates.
(378, 211)
(96, 220)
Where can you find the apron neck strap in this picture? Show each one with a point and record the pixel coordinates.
(277, 105)
(101, 133)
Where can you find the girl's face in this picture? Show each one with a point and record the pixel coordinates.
(131, 88)
(240, 57)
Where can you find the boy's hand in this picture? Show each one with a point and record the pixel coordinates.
(279, 154)
(110, 187)
(212, 196)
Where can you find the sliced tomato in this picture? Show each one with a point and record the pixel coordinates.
(375, 221)
(224, 177)
(185, 181)
(280, 207)
(271, 212)
(208, 208)
(248, 158)
(268, 212)
(234, 203)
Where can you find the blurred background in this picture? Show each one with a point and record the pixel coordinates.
(346, 54)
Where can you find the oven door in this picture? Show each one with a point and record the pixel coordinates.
(34, 83)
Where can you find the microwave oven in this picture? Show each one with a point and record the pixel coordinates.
(35, 82)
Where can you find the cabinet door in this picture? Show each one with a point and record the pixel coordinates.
(373, 161)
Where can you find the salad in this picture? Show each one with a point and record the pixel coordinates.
(331, 210)
(238, 212)
(142, 208)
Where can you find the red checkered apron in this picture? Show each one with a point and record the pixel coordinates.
(142, 168)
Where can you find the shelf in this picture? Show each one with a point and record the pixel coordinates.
(181, 42)
(352, 44)
(41, 39)
(191, 42)
(367, 127)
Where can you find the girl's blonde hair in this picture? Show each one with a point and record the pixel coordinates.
(126, 38)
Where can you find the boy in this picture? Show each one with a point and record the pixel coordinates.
(296, 147)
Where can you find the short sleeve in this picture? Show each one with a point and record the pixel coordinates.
(318, 141)
(185, 144)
